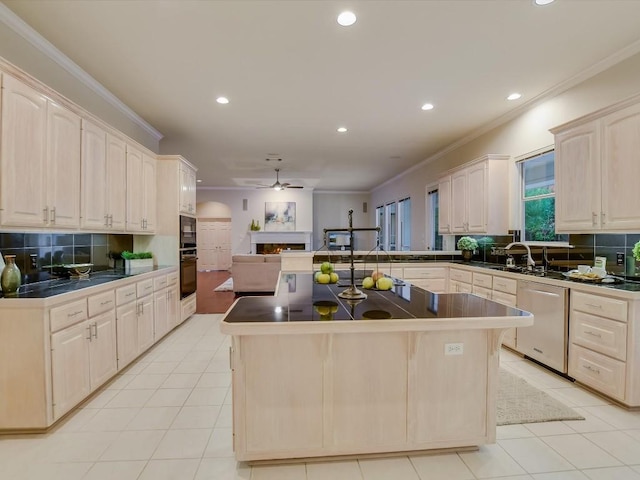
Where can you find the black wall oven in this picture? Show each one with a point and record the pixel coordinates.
(188, 256)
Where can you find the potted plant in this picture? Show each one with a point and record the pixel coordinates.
(137, 260)
(467, 246)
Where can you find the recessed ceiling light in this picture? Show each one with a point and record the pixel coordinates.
(543, 2)
(222, 100)
(342, 129)
(514, 96)
(199, 180)
(427, 106)
(347, 19)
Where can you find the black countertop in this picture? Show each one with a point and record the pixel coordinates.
(300, 299)
(50, 288)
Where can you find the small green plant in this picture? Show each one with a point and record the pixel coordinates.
(467, 243)
(255, 225)
(636, 251)
(135, 256)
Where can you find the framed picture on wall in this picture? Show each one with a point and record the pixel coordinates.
(279, 216)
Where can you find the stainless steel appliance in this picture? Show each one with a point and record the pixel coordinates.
(546, 340)
(188, 256)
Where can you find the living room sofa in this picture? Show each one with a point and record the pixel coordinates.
(255, 273)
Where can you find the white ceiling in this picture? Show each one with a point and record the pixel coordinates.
(293, 75)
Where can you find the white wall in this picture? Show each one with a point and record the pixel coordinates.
(228, 203)
(526, 133)
(331, 210)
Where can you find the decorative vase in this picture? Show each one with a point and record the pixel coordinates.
(11, 278)
(467, 255)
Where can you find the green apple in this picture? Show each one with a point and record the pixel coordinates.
(368, 282)
(384, 283)
(315, 276)
(333, 277)
(323, 278)
(326, 267)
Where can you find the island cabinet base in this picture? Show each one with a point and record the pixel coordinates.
(334, 394)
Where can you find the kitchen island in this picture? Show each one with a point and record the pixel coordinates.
(316, 375)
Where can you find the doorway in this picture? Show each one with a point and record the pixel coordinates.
(214, 244)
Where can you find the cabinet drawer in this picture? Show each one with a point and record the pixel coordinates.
(436, 285)
(424, 272)
(144, 287)
(503, 298)
(459, 287)
(101, 303)
(598, 305)
(482, 280)
(159, 282)
(188, 308)
(68, 314)
(599, 334)
(460, 275)
(172, 279)
(482, 292)
(594, 369)
(506, 285)
(125, 294)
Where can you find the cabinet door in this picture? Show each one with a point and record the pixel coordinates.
(103, 358)
(192, 192)
(621, 170)
(173, 307)
(145, 323)
(63, 166)
(161, 313)
(185, 193)
(127, 333)
(23, 153)
(135, 190)
(577, 179)
(459, 192)
(70, 371)
(477, 198)
(444, 205)
(116, 183)
(94, 166)
(149, 193)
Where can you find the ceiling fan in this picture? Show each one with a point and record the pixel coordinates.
(280, 186)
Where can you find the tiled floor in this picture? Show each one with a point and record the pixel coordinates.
(169, 417)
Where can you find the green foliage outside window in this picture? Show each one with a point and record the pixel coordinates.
(539, 216)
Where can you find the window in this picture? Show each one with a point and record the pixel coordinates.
(538, 198)
(392, 227)
(380, 223)
(404, 230)
(434, 239)
(394, 220)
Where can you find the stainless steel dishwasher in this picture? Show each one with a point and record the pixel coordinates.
(546, 340)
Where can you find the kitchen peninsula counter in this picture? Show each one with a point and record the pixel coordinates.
(316, 375)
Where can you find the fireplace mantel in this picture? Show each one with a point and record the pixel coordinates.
(280, 237)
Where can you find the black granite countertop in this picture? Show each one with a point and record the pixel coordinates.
(50, 288)
(300, 299)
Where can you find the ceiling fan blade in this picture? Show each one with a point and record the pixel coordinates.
(295, 186)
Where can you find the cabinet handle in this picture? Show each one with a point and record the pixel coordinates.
(71, 315)
(603, 216)
(53, 215)
(594, 306)
(591, 369)
(106, 220)
(45, 214)
(111, 220)
(594, 218)
(589, 332)
(231, 358)
(129, 294)
(89, 337)
(95, 330)
(106, 302)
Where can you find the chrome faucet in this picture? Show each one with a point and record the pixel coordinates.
(530, 262)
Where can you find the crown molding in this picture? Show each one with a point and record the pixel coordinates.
(19, 26)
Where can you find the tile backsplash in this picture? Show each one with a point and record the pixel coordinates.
(37, 252)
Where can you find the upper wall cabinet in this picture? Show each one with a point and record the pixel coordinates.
(103, 180)
(141, 191)
(597, 164)
(474, 199)
(39, 159)
(187, 189)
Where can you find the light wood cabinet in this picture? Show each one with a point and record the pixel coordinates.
(476, 197)
(127, 323)
(433, 279)
(141, 191)
(187, 189)
(103, 179)
(40, 160)
(597, 162)
(460, 281)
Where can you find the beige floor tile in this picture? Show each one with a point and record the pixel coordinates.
(218, 365)
(177, 469)
(75, 447)
(130, 398)
(115, 470)
(633, 433)
(76, 420)
(616, 416)
(534, 456)
(191, 366)
(169, 397)
(591, 423)
(340, 470)
(573, 475)
(225, 418)
(549, 428)
(54, 471)
(580, 452)
(207, 396)
(280, 472)
(134, 445)
(100, 399)
(513, 431)
(212, 380)
(220, 443)
(612, 473)
(578, 397)
(171, 356)
(199, 356)
(196, 417)
(223, 469)
(619, 444)
(491, 461)
(110, 420)
(441, 467)
(147, 380)
(181, 380)
(398, 468)
(188, 443)
(119, 382)
(160, 367)
(153, 418)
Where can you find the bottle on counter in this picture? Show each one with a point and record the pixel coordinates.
(11, 277)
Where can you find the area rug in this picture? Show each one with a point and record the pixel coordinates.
(519, 402)
(227, 286)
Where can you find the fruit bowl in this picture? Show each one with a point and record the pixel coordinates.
(78, 270)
